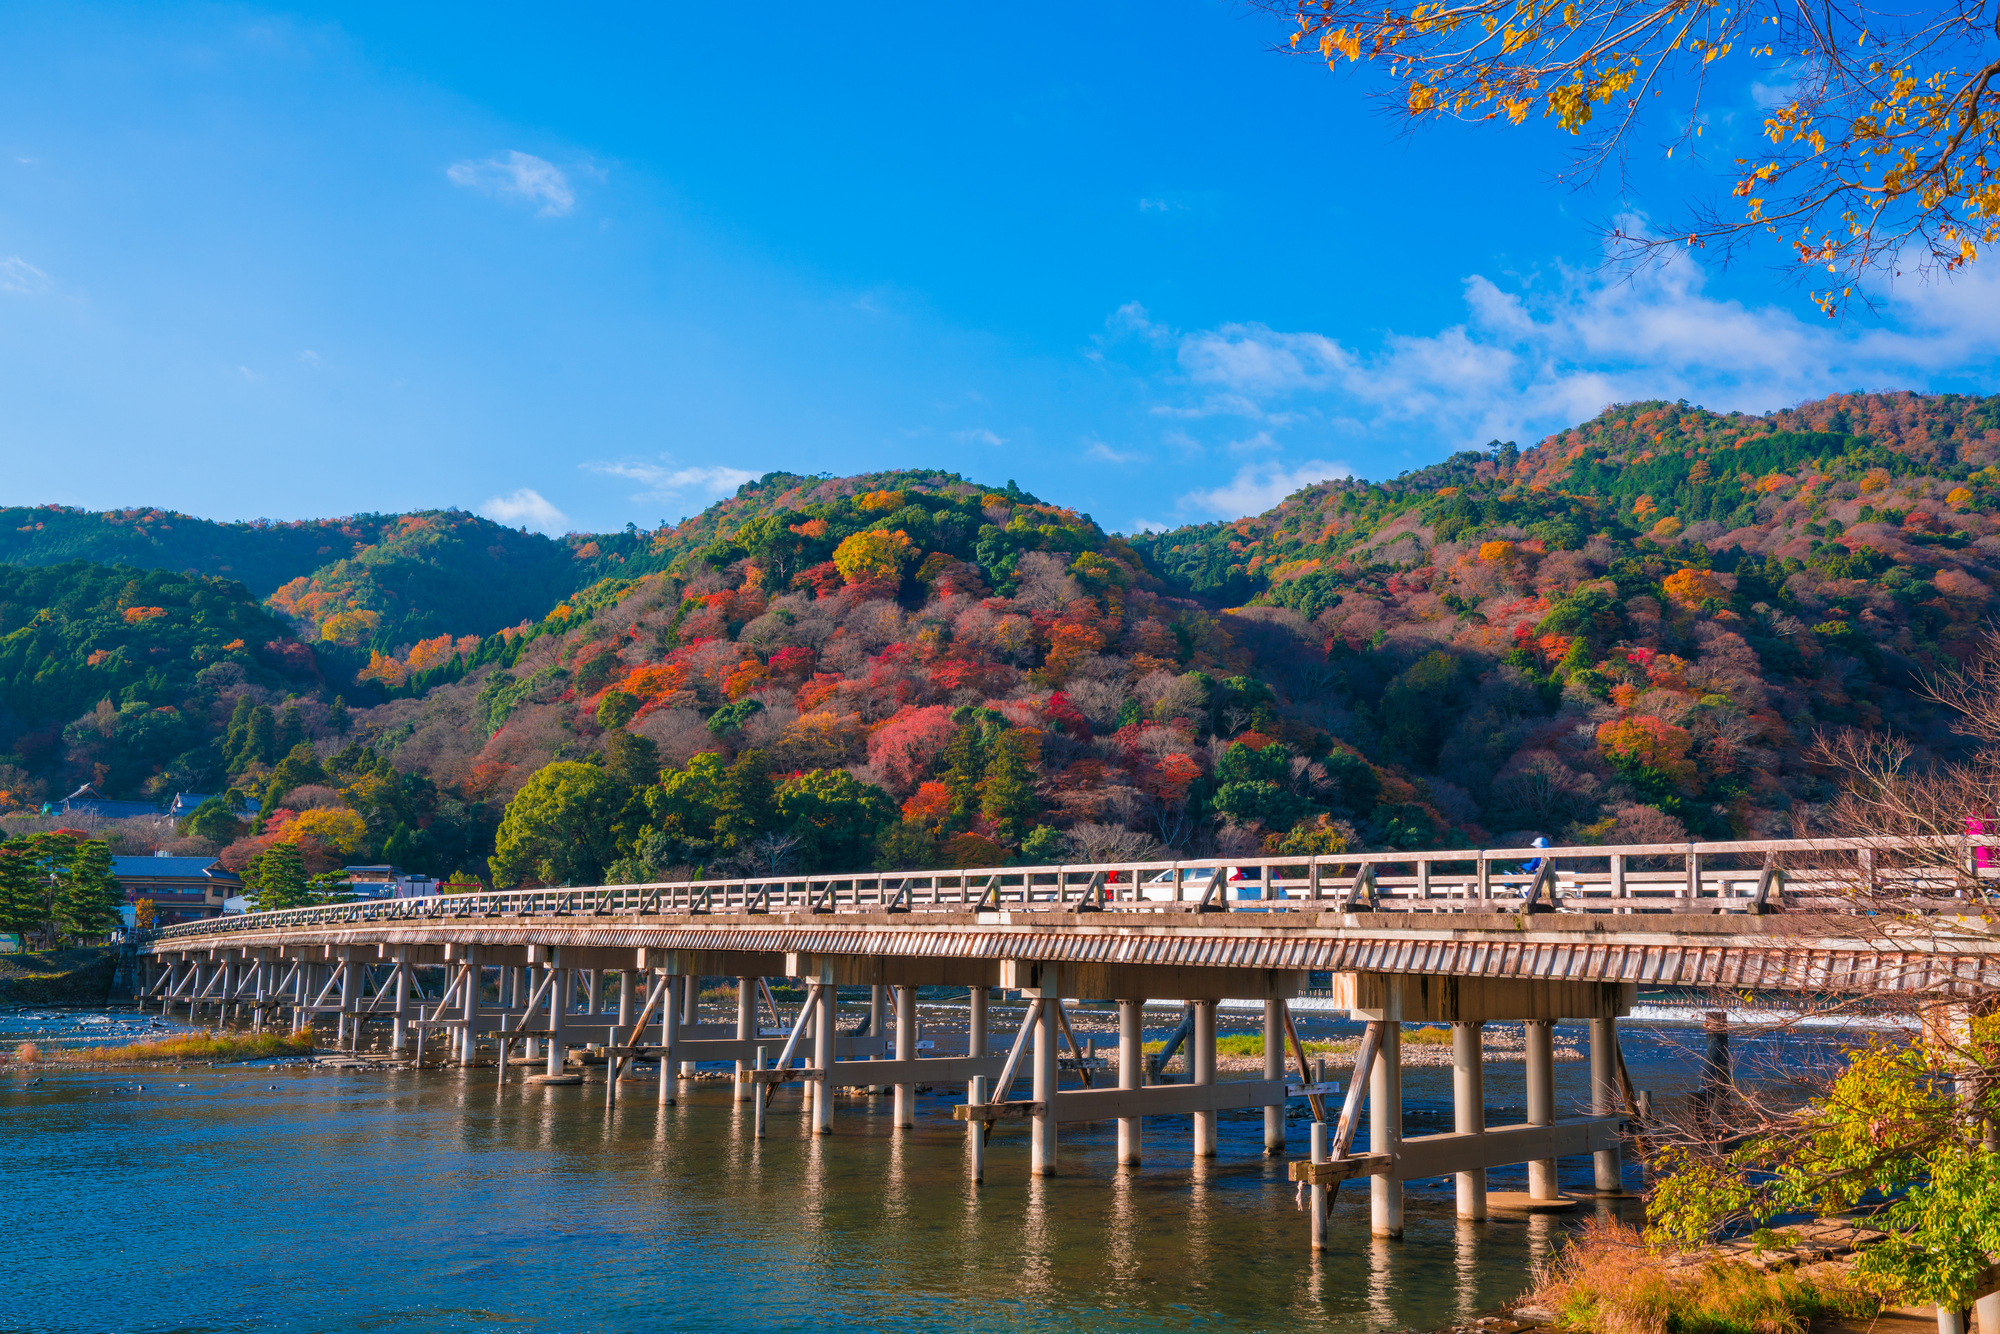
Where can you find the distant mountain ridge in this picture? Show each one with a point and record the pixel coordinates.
(386, 581)
(1633, 631)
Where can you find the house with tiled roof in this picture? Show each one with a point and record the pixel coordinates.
(183, 889)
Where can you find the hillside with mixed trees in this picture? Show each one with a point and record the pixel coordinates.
(1632, 631)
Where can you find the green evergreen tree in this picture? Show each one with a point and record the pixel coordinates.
(401, 848)
(299, 767)
(1007, 794)
(965, 765)
(22, 900)
(87, 895)
(745, 805)
(212, 820)
(276, 878)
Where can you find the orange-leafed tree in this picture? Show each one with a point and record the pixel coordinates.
(1882, 149)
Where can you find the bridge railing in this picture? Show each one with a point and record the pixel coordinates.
(1744, 875)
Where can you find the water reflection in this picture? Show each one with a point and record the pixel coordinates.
(524, 1199)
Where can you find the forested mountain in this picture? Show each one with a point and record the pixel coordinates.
(1632, 631)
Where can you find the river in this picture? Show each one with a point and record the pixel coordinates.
(293, 1198)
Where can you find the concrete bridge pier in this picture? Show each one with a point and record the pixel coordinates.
(975, 1034)
(690, 1012)
(399, 978)
(906, 1050)
(1042, 1133)
(1201, 1070)
(1274, 1068)
(559, 1003)
(670, 1034)
(468, 1037)
(1468, 1108)
(878, 1023)
(1385, 1131)
(1131, 1075)
(746, 1030)
(823, 1052)
(1541, 1090)
(1607, 1164)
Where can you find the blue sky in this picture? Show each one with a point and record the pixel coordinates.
(579, 269)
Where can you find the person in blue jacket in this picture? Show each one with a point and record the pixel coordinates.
(1533, 867)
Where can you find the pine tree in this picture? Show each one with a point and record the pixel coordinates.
(276, 878)
(1007, 796)
(87, 895)
(965, 765)
(21, 890)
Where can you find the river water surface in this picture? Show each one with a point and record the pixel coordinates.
(291, 1198)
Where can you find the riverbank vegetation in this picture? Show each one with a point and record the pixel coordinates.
(187, 1047)
(1608, 1280)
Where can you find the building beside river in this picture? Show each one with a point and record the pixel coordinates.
(183, 889)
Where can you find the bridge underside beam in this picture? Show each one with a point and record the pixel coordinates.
(1146, 1100)
(1443, 1155)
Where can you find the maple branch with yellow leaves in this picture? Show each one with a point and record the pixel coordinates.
(1884, 155)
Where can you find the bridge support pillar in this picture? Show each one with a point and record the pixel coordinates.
(350, 996)
(1042, 1130)
(906, 1050)
(823, 1037)
(1541, 1070)
(746, 1029)
(1385, 1130)
(263, 992)
(1131, 1075)
(975, 1037)
(468, 1037)
(878, 1023)
(625, 1003)
(690, 1013)
(399, 978)
(1607, 1164)
(1274, 1068)
(1201, 1069)
(1468, 1108)
(558, 1008)
(670, 1037)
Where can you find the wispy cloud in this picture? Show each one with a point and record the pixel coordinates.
(1258, 486)
(21, 278)
(526, 509)
(1106, 454)
(1531, 358)
(979, 436)
(665, 484)
(517, 175)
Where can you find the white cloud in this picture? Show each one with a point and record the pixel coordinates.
(520, 176)
(21, 278)
(526, 509)
(671, 485)
(1531, 359)
(1253, 359)
(1142, 525)
(1258, 486)
(310, 358)
(981, 436)
(1106, 454)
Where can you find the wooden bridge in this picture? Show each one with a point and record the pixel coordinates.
(1466, 937)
